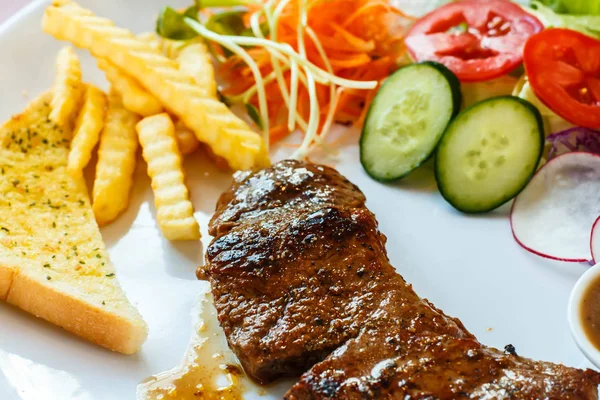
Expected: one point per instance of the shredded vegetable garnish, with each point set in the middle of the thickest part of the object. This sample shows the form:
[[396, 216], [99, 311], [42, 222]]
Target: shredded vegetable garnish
[[307, 63], [574, 139]]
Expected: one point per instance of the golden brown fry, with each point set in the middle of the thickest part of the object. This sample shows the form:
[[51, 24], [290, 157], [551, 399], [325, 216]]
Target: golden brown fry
[[186, 140], [174, 210], [152, 39], [88, 126], [116, 161], [68, 87], [194, 60], [135, 97], [211, 120]]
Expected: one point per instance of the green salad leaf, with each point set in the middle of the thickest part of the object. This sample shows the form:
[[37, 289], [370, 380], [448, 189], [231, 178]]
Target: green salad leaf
[[254, 114], [230, 22], [171, 24], [574, 7], [587, 24], [223, 3]]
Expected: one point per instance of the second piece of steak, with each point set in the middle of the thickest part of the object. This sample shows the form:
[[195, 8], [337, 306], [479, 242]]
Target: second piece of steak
[[299, 274]]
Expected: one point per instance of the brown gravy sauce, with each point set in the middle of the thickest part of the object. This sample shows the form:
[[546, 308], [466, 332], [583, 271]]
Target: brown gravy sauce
[[589, 312], [209, 369]]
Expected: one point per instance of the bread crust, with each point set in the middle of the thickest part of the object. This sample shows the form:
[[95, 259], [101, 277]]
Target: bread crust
[[118, 327], [93, 323]]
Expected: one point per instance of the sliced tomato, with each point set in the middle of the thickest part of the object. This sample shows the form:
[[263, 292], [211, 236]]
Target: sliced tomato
[[478, 40], [563, 68]]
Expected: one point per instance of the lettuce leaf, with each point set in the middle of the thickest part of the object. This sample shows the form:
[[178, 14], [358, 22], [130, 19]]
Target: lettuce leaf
[[171, 24], [552, 121], [574, 7], [586, 24]]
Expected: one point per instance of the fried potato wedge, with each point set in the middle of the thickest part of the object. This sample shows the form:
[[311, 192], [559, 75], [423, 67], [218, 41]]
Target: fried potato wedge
[[135, 97], [212, 122], [88, 125], [68, 87], [116, 161], [174, 210]]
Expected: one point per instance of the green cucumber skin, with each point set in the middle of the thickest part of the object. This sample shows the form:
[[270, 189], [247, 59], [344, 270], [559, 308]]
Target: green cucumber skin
[[437, 168], [455, 87]]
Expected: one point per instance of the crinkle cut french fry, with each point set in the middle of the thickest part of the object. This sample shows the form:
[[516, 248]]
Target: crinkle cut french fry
[[68, 87], [152, 39], [174, 210], [88, 126], [186, 140], [194, 60], [135, 97], [212, 122], [171, 48], [116, 161]]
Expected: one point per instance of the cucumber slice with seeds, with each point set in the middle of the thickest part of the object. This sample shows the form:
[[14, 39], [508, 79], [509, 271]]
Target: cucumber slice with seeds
[[488, 153], [407, 119]]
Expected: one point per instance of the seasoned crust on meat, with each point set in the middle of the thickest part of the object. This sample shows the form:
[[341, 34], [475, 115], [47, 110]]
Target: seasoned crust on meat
[[301, 279]]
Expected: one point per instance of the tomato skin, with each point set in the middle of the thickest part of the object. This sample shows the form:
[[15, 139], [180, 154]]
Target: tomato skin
[[563, 68], [490, 47]]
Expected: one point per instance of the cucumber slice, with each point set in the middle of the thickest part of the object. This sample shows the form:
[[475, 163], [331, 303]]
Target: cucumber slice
[[488, 153], [407, 119]]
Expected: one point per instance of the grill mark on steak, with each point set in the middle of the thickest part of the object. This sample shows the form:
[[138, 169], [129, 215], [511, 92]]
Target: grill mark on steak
[[301, 279]]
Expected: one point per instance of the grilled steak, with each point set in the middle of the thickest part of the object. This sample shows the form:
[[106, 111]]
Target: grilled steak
[[300, 278]]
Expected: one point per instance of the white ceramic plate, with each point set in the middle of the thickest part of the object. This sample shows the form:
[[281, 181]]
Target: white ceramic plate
[[469, 266]]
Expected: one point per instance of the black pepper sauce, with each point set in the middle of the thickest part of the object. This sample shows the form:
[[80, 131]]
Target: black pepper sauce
[[589, 312], [209, 370]]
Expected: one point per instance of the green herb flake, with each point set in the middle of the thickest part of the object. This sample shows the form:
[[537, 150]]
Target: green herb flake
[[48, 277], [46, 265], [5, 229], [109, 275]]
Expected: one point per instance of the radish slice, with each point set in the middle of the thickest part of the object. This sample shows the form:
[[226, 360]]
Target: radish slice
[[595, 241], [553, 215]]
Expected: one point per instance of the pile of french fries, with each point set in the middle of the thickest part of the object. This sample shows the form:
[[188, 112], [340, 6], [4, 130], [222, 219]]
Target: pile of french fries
[[163, 95]]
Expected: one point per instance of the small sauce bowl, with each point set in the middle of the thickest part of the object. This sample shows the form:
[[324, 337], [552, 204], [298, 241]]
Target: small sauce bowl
[[591, 278]]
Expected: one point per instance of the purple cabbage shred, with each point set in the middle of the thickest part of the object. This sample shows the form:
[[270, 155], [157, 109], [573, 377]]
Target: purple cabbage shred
[[574, 139]]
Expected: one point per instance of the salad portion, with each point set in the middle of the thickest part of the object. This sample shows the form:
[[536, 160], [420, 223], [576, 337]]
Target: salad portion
[[296, 64], [308, 64], [489, 153]]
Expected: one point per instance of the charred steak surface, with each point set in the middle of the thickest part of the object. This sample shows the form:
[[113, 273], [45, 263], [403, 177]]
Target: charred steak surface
[[301, 281]]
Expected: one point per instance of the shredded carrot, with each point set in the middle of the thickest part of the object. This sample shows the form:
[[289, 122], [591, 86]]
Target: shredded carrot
[[278, 132], [362, 40]]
